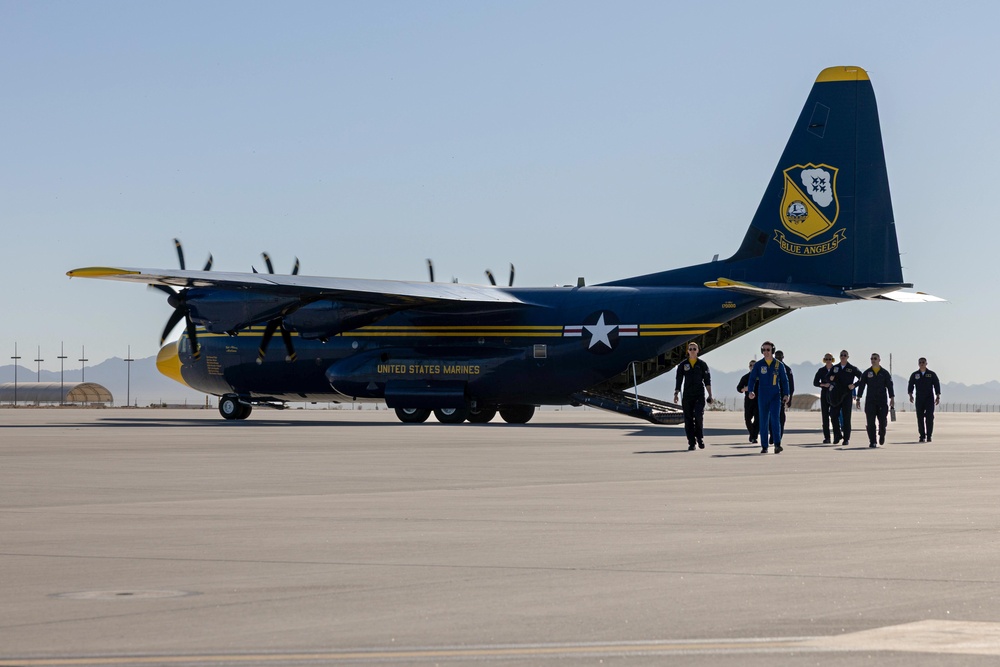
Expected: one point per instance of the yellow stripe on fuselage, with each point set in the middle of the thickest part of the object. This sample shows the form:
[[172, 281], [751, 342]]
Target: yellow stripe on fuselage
[[688, 329], [473, 331]]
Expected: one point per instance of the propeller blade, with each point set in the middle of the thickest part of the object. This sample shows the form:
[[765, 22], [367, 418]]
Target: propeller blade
[[430, 269], [192, 336], [166, 289], [267, 260], [275, 325], [266, 338], [208, 264], [287, 337], [180, 253], [175, 317], [295, 269], [510, 283], [489, 274]]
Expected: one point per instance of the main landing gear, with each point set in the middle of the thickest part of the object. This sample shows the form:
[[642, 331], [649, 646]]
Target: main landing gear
[[230, 407], [512, 414]]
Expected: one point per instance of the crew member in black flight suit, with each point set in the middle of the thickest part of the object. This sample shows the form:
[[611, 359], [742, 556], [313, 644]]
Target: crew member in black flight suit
[[928, 395], [693, 372], [780, 356], [842, 379], [822, 380], [750, 415], [878, 381]]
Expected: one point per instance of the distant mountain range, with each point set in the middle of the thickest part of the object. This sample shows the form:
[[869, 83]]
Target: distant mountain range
[[143, 385], [147, 385]]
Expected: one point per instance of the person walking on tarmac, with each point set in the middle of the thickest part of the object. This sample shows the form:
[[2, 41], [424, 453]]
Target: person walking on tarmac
[[822, 380], [928, 395], [695, 375], [769, 385], [750, 416], [780, 356], [842, 379], [878, 381]]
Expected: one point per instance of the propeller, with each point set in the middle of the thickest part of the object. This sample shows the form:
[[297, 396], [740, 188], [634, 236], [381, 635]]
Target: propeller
[[430, 270], [178, 301], [493, 281], [180, 257], [270, 266], [278, 323]]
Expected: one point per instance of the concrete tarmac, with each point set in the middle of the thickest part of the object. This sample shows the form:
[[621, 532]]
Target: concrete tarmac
[[173, 537]]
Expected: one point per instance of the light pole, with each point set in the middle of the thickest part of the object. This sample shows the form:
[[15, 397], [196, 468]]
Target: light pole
[[62, 360], [38, 371], [128, 377], [15, 358], [83, 363]]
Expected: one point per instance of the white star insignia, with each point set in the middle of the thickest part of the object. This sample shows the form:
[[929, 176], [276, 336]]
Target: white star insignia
[[599, 332]]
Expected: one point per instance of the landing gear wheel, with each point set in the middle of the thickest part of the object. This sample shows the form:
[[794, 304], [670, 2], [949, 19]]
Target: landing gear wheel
[[412, 415], [517, 414], [482, 415], [245, 411], [231, 408], [451, 415]]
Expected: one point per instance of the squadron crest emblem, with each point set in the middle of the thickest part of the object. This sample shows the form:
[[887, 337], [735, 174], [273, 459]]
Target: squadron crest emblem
[[809, 208]]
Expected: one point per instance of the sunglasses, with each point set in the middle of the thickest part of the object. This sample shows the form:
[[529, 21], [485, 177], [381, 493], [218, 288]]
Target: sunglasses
[[843, 356], [692, 348], [765, 349]]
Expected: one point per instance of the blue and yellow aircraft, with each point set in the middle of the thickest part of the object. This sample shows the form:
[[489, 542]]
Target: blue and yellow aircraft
[[823, 234]]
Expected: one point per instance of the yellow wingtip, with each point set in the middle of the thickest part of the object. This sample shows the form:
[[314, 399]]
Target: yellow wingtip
[[99, 272]]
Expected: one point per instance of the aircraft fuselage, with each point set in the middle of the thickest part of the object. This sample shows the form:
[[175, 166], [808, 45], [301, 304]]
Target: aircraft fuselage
[[568, 340]]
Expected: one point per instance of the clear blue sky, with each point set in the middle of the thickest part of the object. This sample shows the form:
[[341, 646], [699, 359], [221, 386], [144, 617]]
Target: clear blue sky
[[571, 138]]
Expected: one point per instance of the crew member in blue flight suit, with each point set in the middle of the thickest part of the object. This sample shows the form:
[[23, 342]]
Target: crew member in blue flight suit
[[928, 387], [822, 380], [771, 390], [878, 381], [694, 373]]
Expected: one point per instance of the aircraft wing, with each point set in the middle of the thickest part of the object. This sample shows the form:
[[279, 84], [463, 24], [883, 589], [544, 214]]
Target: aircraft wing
[[782, 295], [353, 290]]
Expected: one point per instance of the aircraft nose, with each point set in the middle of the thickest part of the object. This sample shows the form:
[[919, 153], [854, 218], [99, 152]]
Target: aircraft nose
[[168, 362]]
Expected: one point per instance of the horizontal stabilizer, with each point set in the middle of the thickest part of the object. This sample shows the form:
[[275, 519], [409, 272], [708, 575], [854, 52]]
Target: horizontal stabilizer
[[904, 296], [784, 295], [790, 295]]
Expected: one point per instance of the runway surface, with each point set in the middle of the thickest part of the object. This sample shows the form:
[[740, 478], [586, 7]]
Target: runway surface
[[146, 537]]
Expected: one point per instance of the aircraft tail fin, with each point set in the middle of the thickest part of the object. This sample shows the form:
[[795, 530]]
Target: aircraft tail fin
[[826, 214]]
